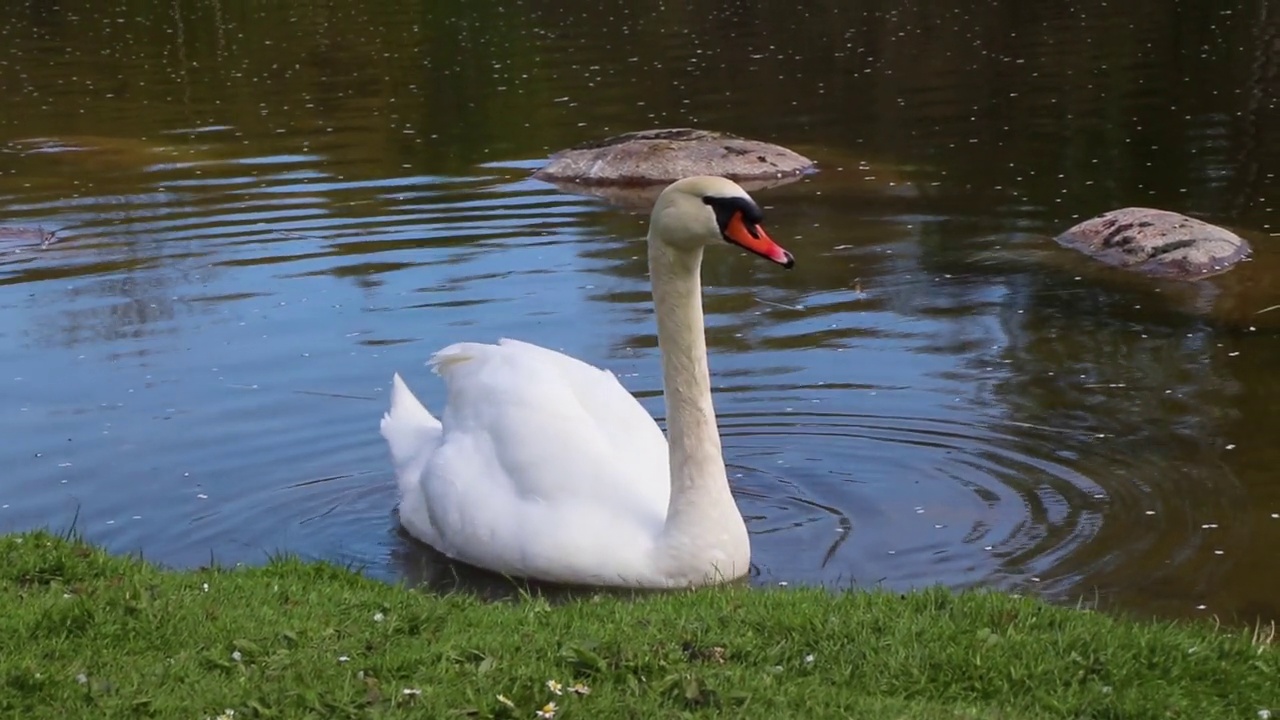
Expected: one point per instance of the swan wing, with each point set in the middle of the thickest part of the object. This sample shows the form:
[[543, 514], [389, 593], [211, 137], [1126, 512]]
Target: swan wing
[[559, 427], [546, 466]]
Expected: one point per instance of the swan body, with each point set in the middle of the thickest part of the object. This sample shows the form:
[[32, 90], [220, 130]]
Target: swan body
[[542, 466]]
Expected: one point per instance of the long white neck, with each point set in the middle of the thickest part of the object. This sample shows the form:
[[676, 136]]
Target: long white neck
[[704, 532]]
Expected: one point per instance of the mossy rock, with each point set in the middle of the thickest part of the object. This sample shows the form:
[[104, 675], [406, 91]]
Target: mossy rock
[[650, 157], [1157, 243]]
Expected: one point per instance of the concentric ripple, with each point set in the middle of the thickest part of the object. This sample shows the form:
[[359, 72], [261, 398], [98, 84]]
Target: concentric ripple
[[899, 501]]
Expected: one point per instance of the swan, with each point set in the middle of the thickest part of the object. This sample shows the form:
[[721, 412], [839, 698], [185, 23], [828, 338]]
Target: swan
[[544, 467]]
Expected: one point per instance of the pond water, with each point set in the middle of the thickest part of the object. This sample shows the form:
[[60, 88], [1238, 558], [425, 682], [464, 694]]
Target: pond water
[[264, 210]]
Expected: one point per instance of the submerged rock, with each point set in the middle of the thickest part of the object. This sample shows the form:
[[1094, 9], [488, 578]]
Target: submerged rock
[[17, 242], [25, 238], [1157, 243], [663, 156]]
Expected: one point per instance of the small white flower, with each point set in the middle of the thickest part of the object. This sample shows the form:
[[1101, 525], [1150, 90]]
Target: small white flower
[[580, 689], [413, 692], [204, 587], [235, 655], [343, 658], [227, 714], [379, 617], [82, 679], [547, 712], [808, 659], [555, 687], [1264, 714]]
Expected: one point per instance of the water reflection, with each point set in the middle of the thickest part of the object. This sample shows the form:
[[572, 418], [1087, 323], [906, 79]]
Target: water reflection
[[263, 211]]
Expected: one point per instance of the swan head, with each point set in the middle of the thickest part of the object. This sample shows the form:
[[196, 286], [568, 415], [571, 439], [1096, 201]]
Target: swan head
[[695, 212]]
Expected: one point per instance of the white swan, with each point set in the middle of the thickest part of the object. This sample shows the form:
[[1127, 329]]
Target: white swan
[[545, 467]]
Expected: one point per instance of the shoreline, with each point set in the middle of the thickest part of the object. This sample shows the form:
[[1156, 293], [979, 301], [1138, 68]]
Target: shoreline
[[108, 636]]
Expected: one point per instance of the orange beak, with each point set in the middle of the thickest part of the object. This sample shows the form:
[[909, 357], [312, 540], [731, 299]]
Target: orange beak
[[756, 240]]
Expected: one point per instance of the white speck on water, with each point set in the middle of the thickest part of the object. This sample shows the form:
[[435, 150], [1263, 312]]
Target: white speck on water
[[202, 496], [1219, 552], [64, 464], [1208, 526], [1151, 512], [1201, 607], [782, 583]]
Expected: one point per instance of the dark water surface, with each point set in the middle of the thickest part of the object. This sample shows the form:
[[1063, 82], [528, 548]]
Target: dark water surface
[[264, 209]]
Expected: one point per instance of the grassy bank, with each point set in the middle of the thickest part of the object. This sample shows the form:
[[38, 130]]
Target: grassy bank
[[90, 635]]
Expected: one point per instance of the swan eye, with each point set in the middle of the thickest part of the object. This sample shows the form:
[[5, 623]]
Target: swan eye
[[726, 208]]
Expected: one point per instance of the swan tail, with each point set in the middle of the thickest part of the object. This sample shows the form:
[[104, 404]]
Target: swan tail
[[411, 432]]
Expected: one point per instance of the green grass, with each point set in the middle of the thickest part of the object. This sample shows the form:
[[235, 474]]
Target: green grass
[[89, 635]]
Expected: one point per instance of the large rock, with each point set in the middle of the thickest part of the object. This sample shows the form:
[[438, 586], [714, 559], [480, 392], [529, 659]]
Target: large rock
[[1158, 243], [663, 156]]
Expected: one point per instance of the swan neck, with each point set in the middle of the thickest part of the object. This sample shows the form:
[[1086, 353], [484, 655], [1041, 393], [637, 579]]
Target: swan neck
[[701, 507], [694, 439]]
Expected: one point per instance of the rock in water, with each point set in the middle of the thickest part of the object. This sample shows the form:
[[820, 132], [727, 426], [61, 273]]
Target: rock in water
[[664, 156], [1158, 243], [25, 238]]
